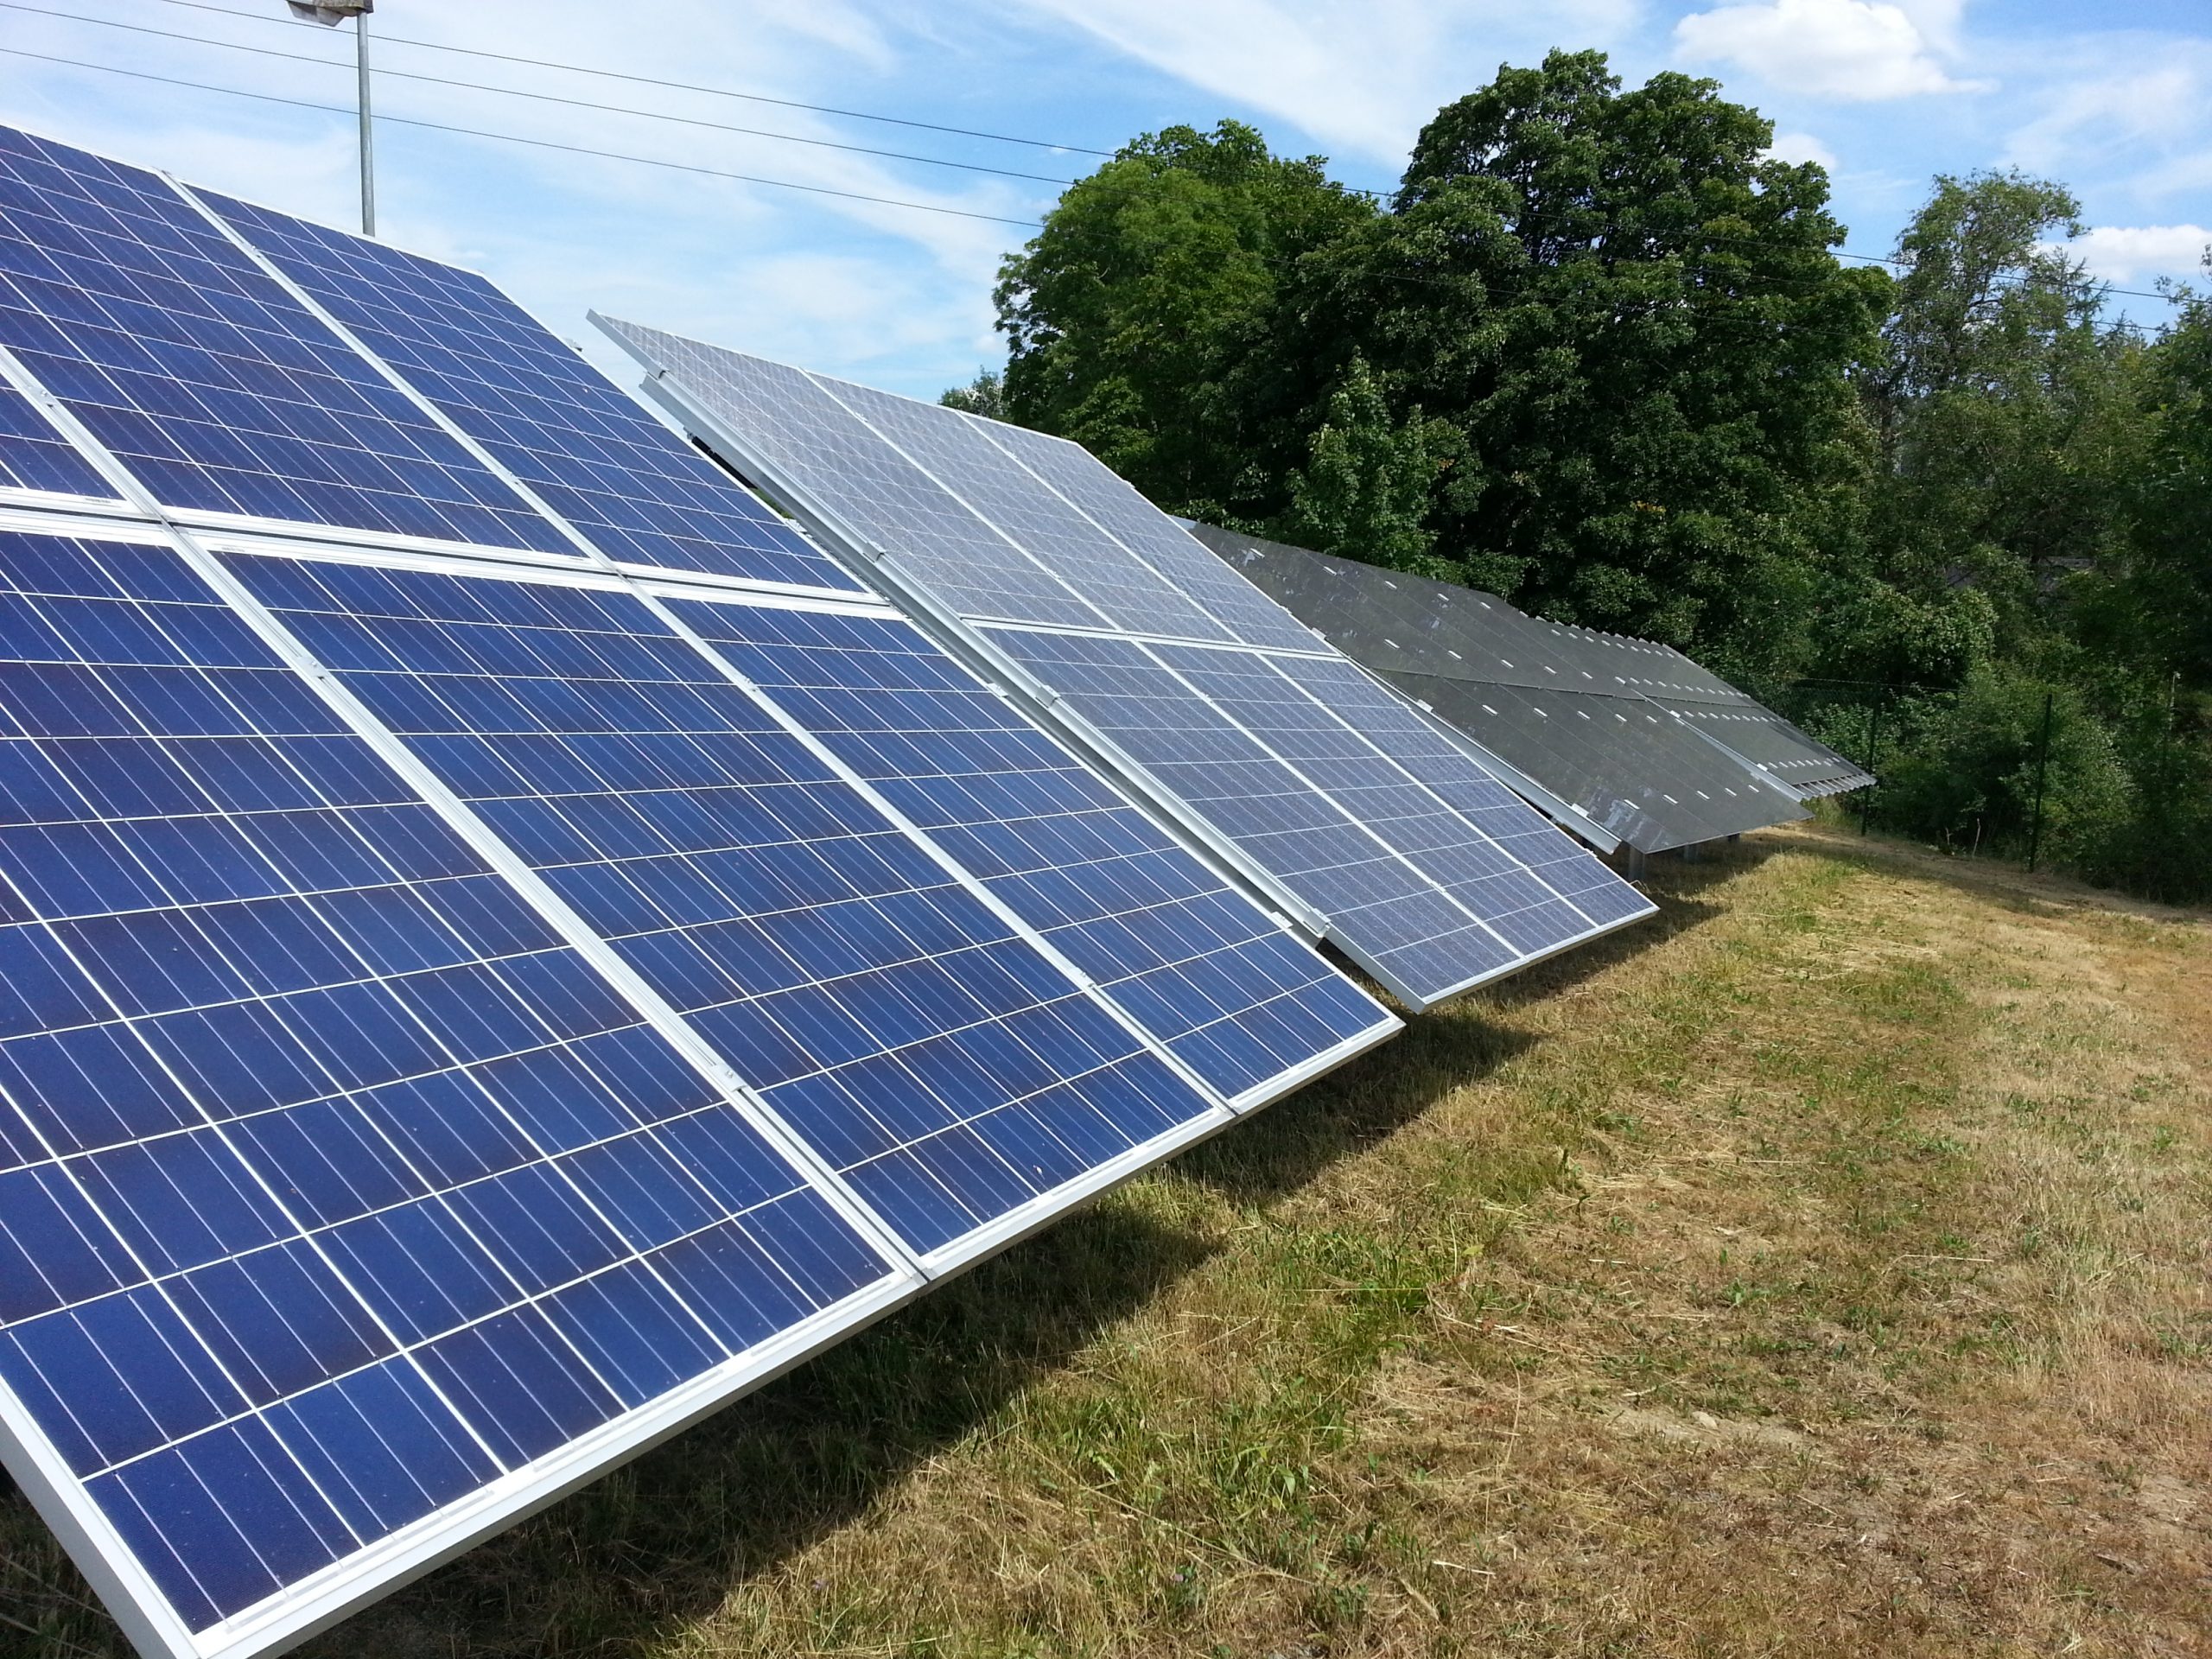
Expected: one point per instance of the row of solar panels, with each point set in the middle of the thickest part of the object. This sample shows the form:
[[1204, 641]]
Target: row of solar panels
[[505, 943], [1624, 740]]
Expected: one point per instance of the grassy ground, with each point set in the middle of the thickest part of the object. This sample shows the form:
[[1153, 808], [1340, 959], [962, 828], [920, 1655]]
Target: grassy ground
[[1819, 1269]]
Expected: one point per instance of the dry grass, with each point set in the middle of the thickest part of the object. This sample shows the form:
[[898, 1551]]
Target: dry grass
[[1821, 1269]]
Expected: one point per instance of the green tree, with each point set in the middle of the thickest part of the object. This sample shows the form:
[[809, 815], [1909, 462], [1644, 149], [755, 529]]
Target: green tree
[[2010, 420], [1142, 320], [2166, 612], [1365, 494], [985, 395], [1626, 321]]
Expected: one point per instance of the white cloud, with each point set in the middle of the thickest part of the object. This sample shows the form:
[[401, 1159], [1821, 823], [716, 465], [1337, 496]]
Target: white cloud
[[1801, 147], [2131, 113], [2135, 253], [1853, 50]]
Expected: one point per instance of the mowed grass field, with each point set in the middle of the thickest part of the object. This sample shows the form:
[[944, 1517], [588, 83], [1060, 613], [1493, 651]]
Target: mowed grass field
[[1823, 1267]]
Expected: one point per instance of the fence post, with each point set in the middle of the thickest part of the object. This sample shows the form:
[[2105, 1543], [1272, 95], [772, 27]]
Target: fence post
[[2042, 765], [1873, 738]]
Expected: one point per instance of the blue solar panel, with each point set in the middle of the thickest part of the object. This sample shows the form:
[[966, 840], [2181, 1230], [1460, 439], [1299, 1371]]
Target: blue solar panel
[[937, 1060], [639, 492], [34, 456], [1238, 1000], [1414, 933], [334, 1188], [218, 390], [1588, 894]]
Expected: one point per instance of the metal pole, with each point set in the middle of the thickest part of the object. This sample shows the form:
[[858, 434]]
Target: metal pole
[[2042, 764], [368, 138]]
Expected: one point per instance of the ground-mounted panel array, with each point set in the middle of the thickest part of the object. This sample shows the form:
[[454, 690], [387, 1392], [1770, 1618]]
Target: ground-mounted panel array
[[1579, 718], [504, 945], [1287, 763]]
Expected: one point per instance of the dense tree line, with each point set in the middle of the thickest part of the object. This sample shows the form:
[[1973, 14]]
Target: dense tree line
[[1597, 354]]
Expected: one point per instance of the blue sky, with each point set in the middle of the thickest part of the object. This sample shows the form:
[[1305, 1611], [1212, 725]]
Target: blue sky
[[2114, 99]]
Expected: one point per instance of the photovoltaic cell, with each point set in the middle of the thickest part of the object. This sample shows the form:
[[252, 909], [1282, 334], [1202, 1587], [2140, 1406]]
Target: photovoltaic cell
[[1236, 998], [639, 492], [334, 1188], [218, 390], [35, 456], [938, 1061]]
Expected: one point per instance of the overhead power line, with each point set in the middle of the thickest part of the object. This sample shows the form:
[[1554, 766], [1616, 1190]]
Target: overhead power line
[[541, 97], [536, 143], [1891, 262], [673, 85]]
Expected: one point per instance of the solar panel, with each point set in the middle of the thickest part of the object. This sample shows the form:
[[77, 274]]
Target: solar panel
[[220, 390], [947, 1071], [1115, 505], [468, 1009], [950, 512], [1232, 995], [1771, 746], [1402, 925], [335, 1188], [640, 493], [1570, 710], [959, 455]]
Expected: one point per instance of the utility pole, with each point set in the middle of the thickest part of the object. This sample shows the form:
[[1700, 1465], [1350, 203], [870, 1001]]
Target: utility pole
[[333, 12]]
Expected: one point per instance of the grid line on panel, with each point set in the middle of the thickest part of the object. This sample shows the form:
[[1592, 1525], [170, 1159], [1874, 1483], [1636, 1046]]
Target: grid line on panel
[[1227, 991], [36, 457], [580, 446], [908, 1035], [231, 1159], [211, 384]]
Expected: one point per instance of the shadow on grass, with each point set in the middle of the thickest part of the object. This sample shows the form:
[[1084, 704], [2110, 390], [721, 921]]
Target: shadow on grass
[[627, 1563], [1461, 1042]]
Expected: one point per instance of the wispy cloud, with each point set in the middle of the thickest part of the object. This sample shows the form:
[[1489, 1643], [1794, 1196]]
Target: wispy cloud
[[1360, 76]]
